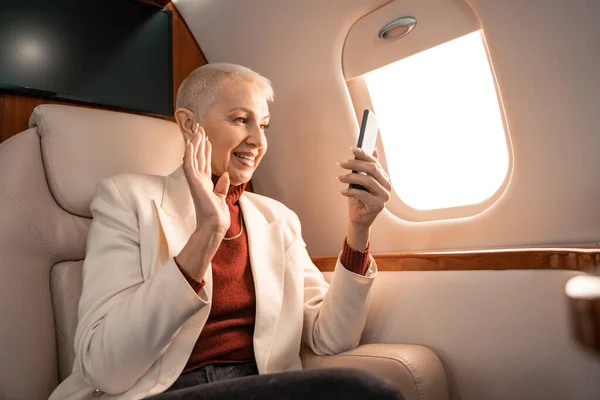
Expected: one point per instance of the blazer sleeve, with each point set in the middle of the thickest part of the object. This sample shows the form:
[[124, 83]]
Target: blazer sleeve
[[334, 315], [125, 323]]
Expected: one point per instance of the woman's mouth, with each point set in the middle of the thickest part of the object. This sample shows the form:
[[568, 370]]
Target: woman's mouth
[[246, 159]]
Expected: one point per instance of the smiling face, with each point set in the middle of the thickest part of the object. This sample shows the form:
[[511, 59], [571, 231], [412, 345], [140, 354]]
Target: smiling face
[[235, 124]]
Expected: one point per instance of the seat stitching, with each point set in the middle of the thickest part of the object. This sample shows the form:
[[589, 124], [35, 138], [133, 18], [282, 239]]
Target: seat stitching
[[63, 285], [66, 353], [64, 337], [400, 360], [28, 218], [61, 355], [61, 335]]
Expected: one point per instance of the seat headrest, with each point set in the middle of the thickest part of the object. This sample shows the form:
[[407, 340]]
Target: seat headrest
[[81, 146]]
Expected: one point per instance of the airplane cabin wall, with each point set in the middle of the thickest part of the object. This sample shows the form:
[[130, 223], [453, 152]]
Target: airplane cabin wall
[[298, 45], [546, 75]]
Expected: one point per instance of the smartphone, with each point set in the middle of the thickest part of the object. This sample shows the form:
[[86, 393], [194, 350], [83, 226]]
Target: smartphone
[[366, 139]]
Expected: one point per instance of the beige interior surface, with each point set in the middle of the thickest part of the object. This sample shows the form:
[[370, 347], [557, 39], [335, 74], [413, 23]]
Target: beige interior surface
[[546, 59], [40, 234], [500, 334], [80, 136], [65, 286], [415, 370], [364, 51]]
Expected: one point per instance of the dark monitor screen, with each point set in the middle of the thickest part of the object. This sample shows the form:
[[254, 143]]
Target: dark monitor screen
[[108, 52]]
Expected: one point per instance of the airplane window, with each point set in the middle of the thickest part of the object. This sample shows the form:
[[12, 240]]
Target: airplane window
[[441, 125]]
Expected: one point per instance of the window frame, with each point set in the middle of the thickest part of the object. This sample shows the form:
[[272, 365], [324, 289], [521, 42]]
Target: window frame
[[361, 99]]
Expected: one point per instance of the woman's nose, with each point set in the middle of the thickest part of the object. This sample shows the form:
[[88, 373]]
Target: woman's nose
[[257, 136]]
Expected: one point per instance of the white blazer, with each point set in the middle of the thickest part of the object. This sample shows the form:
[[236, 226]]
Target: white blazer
[[139, 319]]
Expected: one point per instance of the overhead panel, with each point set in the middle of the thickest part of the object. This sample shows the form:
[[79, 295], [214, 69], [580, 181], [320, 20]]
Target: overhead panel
[[437, 22]]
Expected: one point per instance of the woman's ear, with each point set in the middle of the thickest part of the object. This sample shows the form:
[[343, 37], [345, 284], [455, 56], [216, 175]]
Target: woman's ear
[[187, 122]]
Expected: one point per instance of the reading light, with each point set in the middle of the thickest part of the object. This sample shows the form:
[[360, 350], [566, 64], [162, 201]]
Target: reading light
[[397, 28]]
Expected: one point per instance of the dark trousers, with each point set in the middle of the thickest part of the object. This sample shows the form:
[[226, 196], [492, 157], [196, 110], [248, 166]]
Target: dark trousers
[[242, 382]]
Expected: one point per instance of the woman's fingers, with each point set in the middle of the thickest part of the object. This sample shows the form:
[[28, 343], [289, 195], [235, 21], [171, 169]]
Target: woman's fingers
[[374, 179], [201, 151], [370, 168], [360, 154], [222, 186], [194, 156], [188, 166], [370, 183], [357, 194], [208, 158], [372, 202]]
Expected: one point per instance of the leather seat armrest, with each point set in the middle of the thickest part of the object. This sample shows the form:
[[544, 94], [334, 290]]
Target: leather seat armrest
[[415, 370]]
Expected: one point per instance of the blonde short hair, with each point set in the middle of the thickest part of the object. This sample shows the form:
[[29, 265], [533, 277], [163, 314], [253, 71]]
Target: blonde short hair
[[200, 88]]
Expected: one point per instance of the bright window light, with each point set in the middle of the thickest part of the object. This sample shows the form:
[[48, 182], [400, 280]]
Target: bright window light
[[441, 125]]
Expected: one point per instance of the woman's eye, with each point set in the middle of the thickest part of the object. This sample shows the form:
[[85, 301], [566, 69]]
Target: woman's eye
[[242, 120], [265, 127]]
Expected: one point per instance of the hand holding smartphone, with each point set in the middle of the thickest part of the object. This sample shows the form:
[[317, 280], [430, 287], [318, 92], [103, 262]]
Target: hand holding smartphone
[[367, 138]]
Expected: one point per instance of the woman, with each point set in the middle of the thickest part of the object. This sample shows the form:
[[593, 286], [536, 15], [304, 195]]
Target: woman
[[192, 288]]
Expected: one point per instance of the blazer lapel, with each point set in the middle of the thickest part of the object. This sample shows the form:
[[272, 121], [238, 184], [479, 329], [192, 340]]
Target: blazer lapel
[[267, 253]]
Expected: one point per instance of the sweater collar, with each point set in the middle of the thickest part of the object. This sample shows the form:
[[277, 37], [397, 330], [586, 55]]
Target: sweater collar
[[234, 193]]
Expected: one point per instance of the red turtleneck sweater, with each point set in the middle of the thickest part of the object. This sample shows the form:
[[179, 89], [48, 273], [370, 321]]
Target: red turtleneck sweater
[[227, 335]]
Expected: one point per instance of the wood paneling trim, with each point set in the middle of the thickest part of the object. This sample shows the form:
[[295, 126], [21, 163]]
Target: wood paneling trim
[[187, 55], [160, 3], [15, 110], [580, 258], [2, 119]]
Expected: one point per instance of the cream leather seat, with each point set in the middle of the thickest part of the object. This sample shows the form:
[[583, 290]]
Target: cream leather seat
[[48, 175]]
